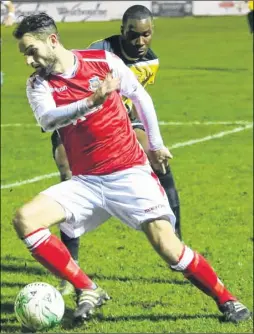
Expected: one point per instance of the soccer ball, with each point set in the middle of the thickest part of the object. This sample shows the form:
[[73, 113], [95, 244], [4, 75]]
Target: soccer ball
[[39, 306]]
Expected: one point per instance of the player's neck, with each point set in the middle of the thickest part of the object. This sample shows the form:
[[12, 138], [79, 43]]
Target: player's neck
[[65, 61]]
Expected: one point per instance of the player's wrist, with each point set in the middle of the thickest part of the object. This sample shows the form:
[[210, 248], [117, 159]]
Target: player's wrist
[[89, 102], [156, 146], [96, 99]]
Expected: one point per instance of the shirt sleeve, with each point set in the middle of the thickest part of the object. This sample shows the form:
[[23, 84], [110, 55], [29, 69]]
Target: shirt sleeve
[[39, 97], [48, 115], [131, 88]]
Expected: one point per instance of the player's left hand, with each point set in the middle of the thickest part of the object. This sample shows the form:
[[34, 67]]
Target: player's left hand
[[159, 159]]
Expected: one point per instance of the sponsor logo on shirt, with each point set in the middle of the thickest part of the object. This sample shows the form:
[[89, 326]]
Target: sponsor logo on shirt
[[58, 89]]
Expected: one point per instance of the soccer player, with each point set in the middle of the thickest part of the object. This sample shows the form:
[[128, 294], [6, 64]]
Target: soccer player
[[133, 47], [79, 94], [10, 17]]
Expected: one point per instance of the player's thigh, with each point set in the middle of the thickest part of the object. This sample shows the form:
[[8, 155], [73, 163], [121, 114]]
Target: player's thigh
[[41, 212], [82, 202], [136, 196]]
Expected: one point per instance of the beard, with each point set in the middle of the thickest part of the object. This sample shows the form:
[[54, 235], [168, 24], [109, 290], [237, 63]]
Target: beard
[[46, 70]]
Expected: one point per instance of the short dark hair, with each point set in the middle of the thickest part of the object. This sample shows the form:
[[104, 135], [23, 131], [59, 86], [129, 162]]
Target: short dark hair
[[40, 25], [137, 12]]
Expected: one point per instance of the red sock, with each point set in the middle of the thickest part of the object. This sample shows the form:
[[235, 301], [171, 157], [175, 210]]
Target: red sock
[[52, 254], [199, 272]]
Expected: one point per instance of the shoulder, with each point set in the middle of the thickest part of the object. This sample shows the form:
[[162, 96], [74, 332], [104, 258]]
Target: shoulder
[[35, 80], [108, 44], [91, 54], [150, 55], [37, 85]]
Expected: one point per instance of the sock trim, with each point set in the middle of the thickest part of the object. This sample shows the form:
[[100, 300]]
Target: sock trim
[[36, 238], [185, 259]]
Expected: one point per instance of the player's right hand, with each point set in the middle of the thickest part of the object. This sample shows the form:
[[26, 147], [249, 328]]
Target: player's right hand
[[109, 85], [159, 159], [9, 21]]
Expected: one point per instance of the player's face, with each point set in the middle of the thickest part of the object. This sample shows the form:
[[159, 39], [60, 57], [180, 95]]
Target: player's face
[[137, 36], [39, 53]]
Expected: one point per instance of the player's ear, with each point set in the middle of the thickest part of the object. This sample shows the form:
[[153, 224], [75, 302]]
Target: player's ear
[[53, 40]]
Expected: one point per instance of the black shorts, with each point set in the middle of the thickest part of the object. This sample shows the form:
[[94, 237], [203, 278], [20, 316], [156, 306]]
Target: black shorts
[[55, 141], [136, 123]]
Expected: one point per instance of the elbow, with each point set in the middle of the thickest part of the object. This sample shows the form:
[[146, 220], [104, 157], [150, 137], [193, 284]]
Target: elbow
[[47, 124], [141, 95]]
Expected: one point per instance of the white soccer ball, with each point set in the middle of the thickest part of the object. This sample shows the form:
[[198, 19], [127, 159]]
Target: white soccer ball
[[39, 306]]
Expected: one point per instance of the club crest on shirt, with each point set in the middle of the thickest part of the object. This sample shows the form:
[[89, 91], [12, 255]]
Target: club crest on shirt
[[94, 83]]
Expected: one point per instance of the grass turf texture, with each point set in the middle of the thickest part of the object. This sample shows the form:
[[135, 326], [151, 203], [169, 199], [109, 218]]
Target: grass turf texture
[[205, 75]]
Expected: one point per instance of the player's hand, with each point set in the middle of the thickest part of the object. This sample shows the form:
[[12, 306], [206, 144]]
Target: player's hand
[[9, 21], [159, 159], [109, 85]]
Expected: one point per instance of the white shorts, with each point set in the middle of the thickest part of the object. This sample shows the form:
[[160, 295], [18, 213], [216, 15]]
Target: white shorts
[[134, 195]]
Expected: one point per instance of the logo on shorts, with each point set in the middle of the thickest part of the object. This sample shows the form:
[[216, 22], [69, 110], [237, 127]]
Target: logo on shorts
[[94, 83], [159, 206]]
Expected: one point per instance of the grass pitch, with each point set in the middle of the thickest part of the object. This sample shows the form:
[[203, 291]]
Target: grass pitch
[[206, 76]]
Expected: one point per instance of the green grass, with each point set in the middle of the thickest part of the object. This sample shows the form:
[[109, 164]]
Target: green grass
[[206, 75]]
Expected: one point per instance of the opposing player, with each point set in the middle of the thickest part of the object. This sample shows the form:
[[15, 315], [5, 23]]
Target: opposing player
[[133, 47], [79, 94]]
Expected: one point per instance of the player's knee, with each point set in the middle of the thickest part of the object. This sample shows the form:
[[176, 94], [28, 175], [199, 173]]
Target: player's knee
[[163, 239], [20, 222]]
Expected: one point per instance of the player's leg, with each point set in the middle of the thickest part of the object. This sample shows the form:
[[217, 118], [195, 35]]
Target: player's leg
[[166, 180], [147, 208], [72, 244], [60, 157], [74, 204], [62, 164], [194, 267], [32, 223], [250, 18]]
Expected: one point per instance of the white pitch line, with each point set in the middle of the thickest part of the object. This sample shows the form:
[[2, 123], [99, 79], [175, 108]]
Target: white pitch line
[[18, 125], [216, 135], [241, 122], [35, 179], [177, 145], [207, 123]]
